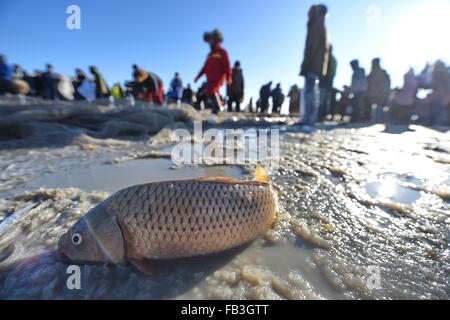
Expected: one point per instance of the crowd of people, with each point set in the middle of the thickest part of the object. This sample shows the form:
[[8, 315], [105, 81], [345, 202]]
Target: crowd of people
[[145, 85], [265, 94], [368, 97]]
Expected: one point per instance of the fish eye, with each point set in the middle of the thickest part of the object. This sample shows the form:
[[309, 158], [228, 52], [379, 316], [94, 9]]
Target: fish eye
[[77, 239]]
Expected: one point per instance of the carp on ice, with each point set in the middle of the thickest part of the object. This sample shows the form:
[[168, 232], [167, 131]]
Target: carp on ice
[[174, 219]]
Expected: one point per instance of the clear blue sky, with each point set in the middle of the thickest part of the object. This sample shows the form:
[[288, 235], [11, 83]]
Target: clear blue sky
[[267, 36]]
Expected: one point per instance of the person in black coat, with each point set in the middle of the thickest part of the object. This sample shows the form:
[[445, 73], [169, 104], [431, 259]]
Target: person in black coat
[[277, 98], [235, 92], [264, 95], [188, 95]]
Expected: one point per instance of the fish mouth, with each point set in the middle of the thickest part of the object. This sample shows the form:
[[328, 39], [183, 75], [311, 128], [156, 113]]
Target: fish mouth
[[62, 254]]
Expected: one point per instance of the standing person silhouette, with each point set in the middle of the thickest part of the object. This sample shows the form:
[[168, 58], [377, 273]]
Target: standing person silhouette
[[378, 90], [264, 96], [315, 61], [326, 88], [217, 70], [235, 92], [176, 89], [358, 89], [277, 98]]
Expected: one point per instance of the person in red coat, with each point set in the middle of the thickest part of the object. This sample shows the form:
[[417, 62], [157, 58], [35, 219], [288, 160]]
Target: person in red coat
[[217, 70]]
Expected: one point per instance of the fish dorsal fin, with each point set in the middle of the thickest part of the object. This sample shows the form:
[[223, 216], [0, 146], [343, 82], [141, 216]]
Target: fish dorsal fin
[[218, 180], [261, 175]]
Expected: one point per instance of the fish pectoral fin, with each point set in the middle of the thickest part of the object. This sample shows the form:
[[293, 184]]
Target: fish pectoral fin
[[144, 266]]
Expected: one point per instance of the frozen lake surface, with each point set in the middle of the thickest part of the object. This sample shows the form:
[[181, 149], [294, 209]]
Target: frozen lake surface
[[364, 214]]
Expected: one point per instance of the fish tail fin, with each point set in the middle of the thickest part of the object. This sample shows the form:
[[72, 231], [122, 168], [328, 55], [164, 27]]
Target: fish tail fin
[[261, 174]]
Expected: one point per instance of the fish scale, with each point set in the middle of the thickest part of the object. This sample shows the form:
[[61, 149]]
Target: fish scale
[[188, 218]]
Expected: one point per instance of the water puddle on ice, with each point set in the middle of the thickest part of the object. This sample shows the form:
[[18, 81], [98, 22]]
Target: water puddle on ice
[[390, 189], [111, 178], [297, 259]]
